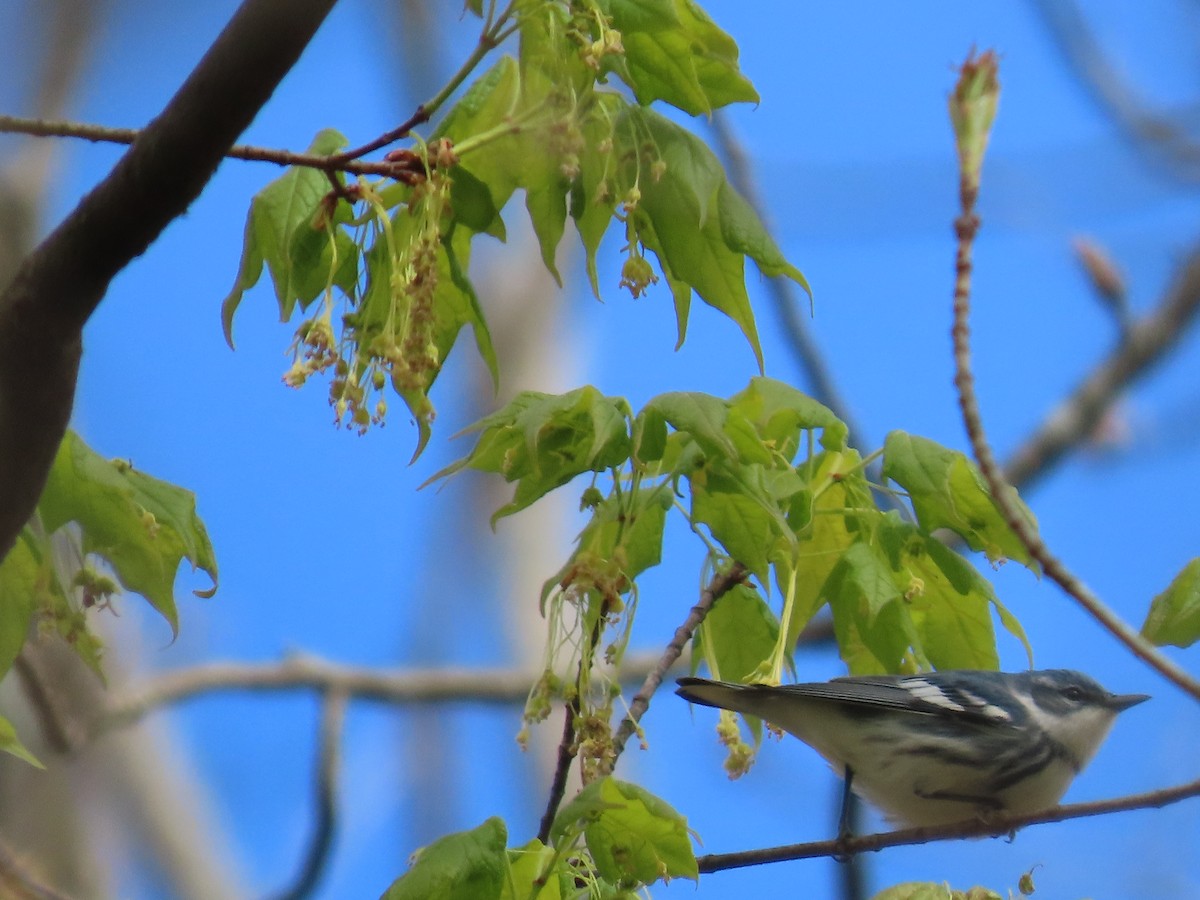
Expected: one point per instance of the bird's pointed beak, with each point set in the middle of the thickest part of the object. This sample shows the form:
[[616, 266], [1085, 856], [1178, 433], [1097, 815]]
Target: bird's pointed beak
[[1122, 702]]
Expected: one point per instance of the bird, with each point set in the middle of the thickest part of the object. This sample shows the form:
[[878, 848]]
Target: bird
[[940, 747]]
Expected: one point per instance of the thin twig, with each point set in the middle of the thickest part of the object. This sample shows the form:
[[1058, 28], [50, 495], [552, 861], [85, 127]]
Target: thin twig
[[18, 883], [38, 693], [720, 584], [106, 135], [1147, 342], [995, 827], [966, 226], [568, 746], [346, 161], [421, 686], [562, 768], [400, 131], [329, 756], [493, 34]]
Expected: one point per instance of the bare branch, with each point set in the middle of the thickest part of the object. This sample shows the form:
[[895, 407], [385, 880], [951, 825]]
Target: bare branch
[[102, 134], [1000, 826], [568, 745], [60, 284], [562, 767], [720, 584], [1147, 342], [38, 692], [18, 883], [1150, 131], [425, 686], [966, 226], [329, 756]]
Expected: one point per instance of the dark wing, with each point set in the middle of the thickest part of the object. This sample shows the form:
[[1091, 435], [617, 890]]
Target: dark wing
[[949, 693], [936, 694]]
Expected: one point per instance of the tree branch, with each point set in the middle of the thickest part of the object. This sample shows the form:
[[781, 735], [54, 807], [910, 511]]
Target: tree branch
[[999, 826], [19, 884], [966, 226], [60, 284], [720, 584], [39, 694], [423, 686], [1146, 342], [329, 760], [394, 686], [340, 162], [1148, 130], [562, 768]]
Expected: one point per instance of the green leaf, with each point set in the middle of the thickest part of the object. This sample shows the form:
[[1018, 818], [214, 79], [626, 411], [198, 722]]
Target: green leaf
[[738, 509], [542, 441], [1174, 615], [534, 866], [25, 580], [781, 414], [948, 601], [947, 491], [321, 255], [874, 627], [675, 53], [505, 101], [630, 833], [143, 527], [486, 105], [35, 579], [737, 635], [594, 191], [467, 865], [692, 219], [624, 533], [832, 522], [719, 431], [10, 743], [649, 436], [473, 205], [282, 210], [461, 306]]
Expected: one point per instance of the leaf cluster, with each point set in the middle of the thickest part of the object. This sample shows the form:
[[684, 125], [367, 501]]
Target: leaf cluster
[[378, 270], [611, 838], [765, 478], [100, 526]]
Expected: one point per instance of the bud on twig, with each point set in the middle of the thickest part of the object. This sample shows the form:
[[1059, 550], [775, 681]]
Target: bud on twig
[[1106, 278], [972, 110]]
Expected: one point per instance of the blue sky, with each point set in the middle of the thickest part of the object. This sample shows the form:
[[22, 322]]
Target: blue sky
[[325, 544]]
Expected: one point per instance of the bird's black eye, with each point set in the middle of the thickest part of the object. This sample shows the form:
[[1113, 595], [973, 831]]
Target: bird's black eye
[[1073, 693]]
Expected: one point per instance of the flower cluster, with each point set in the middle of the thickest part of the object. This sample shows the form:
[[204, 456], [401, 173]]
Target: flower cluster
[[388, 332]]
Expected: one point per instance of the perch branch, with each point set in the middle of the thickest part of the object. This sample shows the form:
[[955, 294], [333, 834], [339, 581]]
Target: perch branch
[[1000, 826]]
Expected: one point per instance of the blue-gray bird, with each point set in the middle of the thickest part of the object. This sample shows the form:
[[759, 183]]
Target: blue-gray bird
[[940, 747]]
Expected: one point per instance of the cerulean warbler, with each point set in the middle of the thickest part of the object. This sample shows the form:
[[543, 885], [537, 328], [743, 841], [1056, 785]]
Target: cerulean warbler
[[940, 747]]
